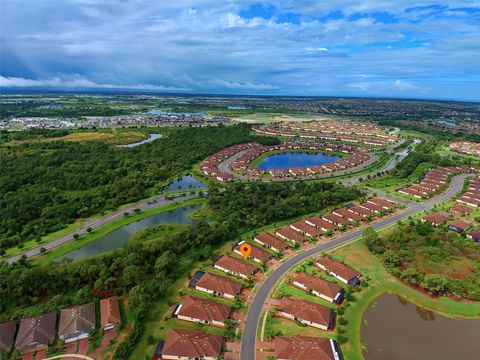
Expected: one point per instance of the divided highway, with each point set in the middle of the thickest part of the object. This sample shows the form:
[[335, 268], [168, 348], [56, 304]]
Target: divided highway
[[248, 345]]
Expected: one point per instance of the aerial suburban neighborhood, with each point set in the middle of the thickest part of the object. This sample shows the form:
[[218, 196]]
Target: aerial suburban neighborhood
[[239, 180]]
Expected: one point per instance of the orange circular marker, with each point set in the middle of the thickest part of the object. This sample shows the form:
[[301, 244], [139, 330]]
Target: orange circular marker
[[245, 249]]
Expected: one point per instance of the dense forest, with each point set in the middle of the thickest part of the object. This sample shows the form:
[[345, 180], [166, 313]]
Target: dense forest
[[426, 257], [46, 185], [146, 271]]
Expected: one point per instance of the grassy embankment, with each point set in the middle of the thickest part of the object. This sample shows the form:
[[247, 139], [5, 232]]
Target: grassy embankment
[[49, 256], [357, 255]]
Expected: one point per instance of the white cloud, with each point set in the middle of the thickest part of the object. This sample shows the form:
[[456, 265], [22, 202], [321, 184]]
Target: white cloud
[[77, 83]]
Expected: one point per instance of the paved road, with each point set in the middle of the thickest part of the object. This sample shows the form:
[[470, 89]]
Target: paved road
[[250, 330], [142, 205]]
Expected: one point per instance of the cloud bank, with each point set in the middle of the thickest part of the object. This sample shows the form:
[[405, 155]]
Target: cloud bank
[[346, 48]]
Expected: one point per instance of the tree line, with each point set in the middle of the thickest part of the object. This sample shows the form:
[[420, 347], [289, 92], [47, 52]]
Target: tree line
[[145, 271], [46, 185]]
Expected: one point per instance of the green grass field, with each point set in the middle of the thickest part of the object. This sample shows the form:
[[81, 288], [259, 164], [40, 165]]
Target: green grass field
[[357, 255]]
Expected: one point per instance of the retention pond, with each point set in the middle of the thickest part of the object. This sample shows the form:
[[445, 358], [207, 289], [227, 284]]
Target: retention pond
[[396, 330]]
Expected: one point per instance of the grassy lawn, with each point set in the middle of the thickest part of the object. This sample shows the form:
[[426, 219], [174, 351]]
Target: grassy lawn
[[51, 255], [357, 255], [31, 244]]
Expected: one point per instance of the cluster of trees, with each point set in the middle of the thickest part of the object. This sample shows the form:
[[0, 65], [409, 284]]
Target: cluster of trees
[[146, 270], [411, 249], [423, 153], [46, 185], [33, 133]]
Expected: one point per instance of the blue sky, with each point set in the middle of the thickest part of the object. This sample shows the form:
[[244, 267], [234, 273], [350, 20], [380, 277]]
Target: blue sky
[[423, 49]]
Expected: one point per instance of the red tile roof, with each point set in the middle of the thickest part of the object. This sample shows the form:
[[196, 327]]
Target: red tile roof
[[203, 309], [303, 348], [219, 284], [436, 219], [7, 334], [318, 284], [306, 310], [257, 253], [271, 240], [291, 234], [338, 268], [192, 344], [236, 265], [321, 223], [306, 228], [109, 311]]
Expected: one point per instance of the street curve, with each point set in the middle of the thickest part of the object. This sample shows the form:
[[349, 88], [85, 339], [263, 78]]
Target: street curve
[[248, 344]]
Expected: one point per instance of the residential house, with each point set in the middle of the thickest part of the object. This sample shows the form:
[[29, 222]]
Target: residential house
[[474, 235], [270, 242], [258, 255], [306, 348], [308, 230], [7, 335], [322, 288], [459, 226], [460, 210], [307, 313], [203, 311], [322, 224], [77, 322], [235, 267], [349, 215], [339, 270], [436, 219], [335, 219], [36, 332], [110, 313], [190, 344], [215, 285], [290, 235]]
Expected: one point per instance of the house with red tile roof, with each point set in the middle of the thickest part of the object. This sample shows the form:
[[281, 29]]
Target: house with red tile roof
[[459, 226], [204, 311], [215, 285], [386, 204], [307, 313], [365, 210], [7, 335], [373, 208], [258, 255], [474, 235], [460, 210], [77, 322], [436, 219], [322, 288], [36, 332], [190, 344], [346, 214], [270, 241], [110, 312], [306, 348], [291, 235], [335, 219], [339, 270], [320, 223], [234, 266], [303, 228]]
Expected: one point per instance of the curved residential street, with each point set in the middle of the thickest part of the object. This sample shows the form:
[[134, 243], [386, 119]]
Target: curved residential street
[[94, 224], [248, 345]]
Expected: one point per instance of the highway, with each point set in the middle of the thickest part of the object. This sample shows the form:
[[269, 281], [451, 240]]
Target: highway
[[248, 345], [94, 224]]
